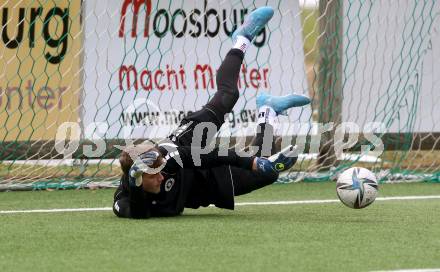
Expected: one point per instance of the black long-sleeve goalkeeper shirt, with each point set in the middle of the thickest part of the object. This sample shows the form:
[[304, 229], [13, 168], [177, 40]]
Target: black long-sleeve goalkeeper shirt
[[180, 179]]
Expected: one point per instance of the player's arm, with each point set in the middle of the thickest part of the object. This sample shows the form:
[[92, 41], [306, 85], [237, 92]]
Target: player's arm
[[136, 195]]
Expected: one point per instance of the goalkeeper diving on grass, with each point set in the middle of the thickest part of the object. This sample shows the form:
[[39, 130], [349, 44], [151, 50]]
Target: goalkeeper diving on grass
[[163, 179]]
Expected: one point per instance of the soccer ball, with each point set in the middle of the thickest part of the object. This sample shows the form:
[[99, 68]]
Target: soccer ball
[[357, 187]]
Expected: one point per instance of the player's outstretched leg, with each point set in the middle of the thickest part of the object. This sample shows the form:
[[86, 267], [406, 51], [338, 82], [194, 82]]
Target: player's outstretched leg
[[269, 106], [247, 181], [227, 76]]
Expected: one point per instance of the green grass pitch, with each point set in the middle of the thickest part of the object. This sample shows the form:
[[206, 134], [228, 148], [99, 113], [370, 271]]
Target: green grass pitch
[[305, 237]]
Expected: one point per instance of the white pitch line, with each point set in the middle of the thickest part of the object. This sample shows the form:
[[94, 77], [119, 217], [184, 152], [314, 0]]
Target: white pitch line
[[59, 210], [411, 270], [292, 202], [322, 201], [287, 202]]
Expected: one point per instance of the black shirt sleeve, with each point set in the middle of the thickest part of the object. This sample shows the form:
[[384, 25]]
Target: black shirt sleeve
[[138, 204]]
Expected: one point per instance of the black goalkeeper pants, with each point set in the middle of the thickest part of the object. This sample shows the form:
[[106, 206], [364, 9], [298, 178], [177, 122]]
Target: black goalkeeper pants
[[215, 111]]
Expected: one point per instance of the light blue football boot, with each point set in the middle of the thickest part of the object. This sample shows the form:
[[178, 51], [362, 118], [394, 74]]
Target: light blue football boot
[[281, 103], [253, 23]]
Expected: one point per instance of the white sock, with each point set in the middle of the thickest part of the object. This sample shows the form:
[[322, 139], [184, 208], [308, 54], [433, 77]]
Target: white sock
[[266, 115], [242, 43]]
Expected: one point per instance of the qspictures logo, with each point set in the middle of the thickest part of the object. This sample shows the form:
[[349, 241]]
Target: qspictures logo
[[198, 22], [18, 28]]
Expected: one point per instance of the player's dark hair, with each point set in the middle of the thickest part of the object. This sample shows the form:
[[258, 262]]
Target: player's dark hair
[[126, 161]]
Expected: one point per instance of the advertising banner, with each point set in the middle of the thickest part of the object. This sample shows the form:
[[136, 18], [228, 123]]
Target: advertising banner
[[149, 63], [39, 68]]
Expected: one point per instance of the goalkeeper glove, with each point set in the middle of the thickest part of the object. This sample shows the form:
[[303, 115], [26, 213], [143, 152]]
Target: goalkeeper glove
[[278, 162], [147, 162]]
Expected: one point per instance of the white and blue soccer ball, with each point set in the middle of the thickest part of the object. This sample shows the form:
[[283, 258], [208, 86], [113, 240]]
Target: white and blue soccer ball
[[357, 187]]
